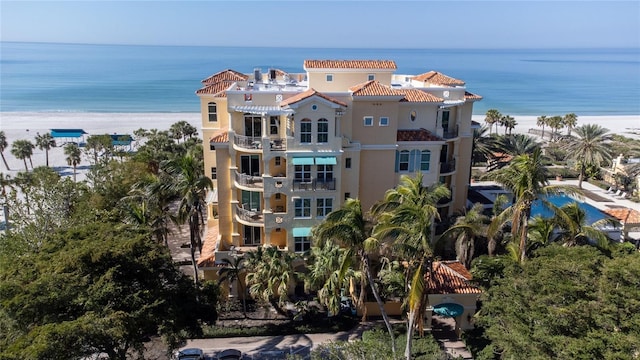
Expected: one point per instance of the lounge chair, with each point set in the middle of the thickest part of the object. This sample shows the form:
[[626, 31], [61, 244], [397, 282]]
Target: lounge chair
[[623, 195], [611, 189], [618, 193]]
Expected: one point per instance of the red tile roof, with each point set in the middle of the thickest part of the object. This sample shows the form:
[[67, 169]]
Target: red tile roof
[[415, 95], [208, 256], [215, 89], [437, 78], [225, 75], [373, 88], [350, 64], [449, 277], [471, 96], [625, 215], [221, 136], [307, 94], [416, 135]]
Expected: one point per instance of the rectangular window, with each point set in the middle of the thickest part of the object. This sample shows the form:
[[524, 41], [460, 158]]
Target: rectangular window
[[213, 112], [212, 147], [251, 235], [302, 208], [214, 173], [274, 125], [445, 120], [368, 121], [323, 131], [384, 121], [325, 172], [277, 160], [347, 163], [324, 207], [305, 132], [371, 77], [403, 161], [329, 77], [302, 173], [302, 243], [425, 160]]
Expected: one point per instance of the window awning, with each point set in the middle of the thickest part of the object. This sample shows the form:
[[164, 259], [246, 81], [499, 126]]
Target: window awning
[[301, 232], [302, 161], [328, 160]]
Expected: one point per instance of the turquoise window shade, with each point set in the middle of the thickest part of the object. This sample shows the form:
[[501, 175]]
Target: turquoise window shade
[[303, 161], [301, 232], [330, 160]]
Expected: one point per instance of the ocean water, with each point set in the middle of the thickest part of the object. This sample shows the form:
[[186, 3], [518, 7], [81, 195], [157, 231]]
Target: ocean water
[[122, 78]]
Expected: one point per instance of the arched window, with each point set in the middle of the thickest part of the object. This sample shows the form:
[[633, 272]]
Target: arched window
[[305, 131], [323, 130], [213, 112]]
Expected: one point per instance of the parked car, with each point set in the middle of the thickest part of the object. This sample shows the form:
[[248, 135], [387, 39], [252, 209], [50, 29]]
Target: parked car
[[190, 354], [230, 354]]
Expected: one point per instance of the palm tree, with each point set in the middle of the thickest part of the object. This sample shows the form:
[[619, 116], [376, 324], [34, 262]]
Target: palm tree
[[492, 117], [542, 121], [23, 150], [73, 156], [270, 272], [541, 232], [155, 193], [589, 147], [3, 145], [571, 220], [570, 121], [526, 178], [466, 229], [509, 123], [483, 145], [348, 227], [230, 273], [191, 184], [406, 215], [182, 130], [45, 142], [555, 123], [510, 146]]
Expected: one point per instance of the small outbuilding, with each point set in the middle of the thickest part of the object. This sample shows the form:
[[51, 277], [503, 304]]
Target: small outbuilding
[[69, 135]]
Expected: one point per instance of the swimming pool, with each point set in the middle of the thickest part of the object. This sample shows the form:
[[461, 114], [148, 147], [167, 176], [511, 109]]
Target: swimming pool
[[591, 212]]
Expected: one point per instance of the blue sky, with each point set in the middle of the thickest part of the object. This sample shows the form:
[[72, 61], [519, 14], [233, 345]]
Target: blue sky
[[302, 23]]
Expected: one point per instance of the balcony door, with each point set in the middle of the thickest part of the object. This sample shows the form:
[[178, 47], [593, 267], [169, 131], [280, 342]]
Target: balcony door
[[250, 165], [253, 126]]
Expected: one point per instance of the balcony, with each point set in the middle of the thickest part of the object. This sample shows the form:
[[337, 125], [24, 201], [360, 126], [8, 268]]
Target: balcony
[[247, 142], [250, 217], [314, 184], [248, 181], [447, 167], [450, 134], [278, 144]]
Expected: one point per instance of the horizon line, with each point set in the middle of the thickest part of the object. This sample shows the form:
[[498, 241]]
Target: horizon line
[[327, 47]]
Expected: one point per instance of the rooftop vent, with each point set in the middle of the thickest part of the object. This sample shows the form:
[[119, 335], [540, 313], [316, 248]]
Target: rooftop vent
[[257, 74]]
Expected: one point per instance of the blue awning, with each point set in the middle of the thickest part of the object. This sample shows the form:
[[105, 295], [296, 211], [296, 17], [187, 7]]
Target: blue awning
[[301, 232], [448, 309], [329, 160], [302, 161], [67, 133]]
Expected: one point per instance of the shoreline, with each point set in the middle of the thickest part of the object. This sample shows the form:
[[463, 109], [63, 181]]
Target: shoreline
[[26, 125]]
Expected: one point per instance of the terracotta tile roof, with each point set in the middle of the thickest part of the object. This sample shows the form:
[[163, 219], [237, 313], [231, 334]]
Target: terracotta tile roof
[[215, 89], [350, 64], [221, 136], [437, 78], [471, 96], [625, 215], [373, 88], [450, 278], [225, 75], [307, 94], [416, 135], [415, 95], [208, 256]]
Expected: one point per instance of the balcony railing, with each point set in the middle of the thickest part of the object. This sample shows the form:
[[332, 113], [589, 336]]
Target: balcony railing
[[247, 142], [249, 181], [447, 167], [314, 184], [450, 134], [250, 216], [278, 144]]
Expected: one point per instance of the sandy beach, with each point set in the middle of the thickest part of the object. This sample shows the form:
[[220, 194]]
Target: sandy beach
[[26, 125]]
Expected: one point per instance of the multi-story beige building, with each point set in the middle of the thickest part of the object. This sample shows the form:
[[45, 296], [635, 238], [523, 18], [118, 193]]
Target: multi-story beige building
[[286, 149]]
